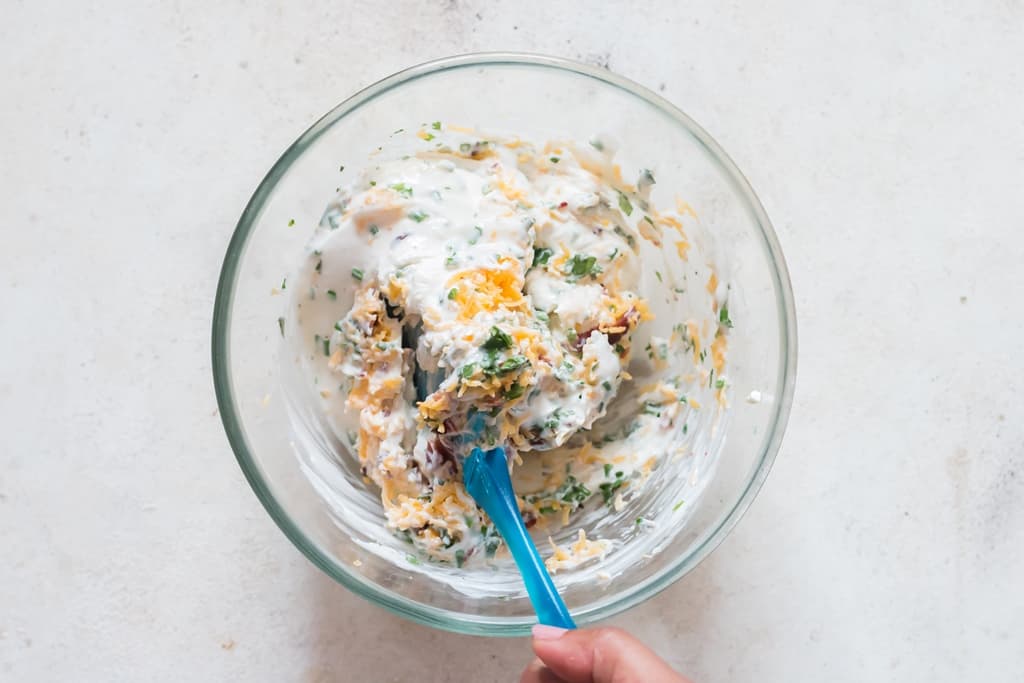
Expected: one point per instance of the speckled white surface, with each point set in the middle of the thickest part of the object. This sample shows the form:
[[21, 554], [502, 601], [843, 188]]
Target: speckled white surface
[[886, 140]]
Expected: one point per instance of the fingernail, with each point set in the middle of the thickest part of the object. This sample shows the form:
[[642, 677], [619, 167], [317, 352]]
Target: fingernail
[[543, 632]]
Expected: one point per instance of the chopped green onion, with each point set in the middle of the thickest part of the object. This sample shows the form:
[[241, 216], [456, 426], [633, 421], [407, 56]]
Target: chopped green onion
[[581, 266], [453, 293], [515, 390], [402, 189], [723, 316], [357, 273], [624, 204], [497, 341], [331, 294]]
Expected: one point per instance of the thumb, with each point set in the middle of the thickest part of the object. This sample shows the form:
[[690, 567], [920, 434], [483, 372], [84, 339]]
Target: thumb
[[600, 655]]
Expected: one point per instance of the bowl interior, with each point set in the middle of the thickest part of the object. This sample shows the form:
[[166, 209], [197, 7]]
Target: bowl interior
[[539, 98]]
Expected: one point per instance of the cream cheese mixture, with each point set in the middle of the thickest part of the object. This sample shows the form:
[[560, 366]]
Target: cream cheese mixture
[[516, 267]]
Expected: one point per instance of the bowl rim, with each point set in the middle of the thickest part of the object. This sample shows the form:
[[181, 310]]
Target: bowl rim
[[425, 613]]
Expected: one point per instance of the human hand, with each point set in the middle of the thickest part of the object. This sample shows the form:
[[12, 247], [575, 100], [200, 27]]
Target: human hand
[[594, 655]]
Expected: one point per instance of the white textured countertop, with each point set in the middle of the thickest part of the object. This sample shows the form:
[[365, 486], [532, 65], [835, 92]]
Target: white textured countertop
[[887, 145]]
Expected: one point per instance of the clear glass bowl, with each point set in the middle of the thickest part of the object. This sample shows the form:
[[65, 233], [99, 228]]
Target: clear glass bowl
[[534, 96]]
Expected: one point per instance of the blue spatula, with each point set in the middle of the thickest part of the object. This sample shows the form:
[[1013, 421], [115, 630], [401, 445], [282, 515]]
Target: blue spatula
[[485, 475]]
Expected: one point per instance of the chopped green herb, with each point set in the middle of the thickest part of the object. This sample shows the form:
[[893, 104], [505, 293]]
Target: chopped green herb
[[720, 384], [280, 325], [331, 294], [646, 178], [552, 423], [418, 216], [607, 385], [464, 147], [620, 349], [453, 293], [428, 136], [460, 557], [678, 505], [541, 256], [597, 144], [611, 257], [337, 326], [657, 274], [374, 229], [554, 160], [341, 169], [545, 510], [515, 390], [609, 488], [477, 234], [580, 266], [723, 316], [412, 559], [541, 315], [284, 284], [467, 370], [497, 341], [607, 468], [319, 266], [686, 428], [402, 189], [571, 335], [512, 364], [327, 346], [639, 521], [291, 222], [436, 125], [373, 183], [624, 204], [357, 273], [572, 491]]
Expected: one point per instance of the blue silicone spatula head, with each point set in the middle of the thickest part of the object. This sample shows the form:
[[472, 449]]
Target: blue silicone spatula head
[[485, 475]]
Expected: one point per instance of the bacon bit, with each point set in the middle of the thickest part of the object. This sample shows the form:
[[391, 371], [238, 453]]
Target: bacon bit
[[563, 205], [439, 454]]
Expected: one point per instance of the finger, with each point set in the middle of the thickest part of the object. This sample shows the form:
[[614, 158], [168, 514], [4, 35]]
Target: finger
[[600, 655], [536, 672]]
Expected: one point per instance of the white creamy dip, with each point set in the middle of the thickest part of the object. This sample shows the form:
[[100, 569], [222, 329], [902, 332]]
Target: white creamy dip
[[518, 266]]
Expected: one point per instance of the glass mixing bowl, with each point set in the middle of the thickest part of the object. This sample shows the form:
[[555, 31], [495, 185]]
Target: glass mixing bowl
[[291, 465]]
